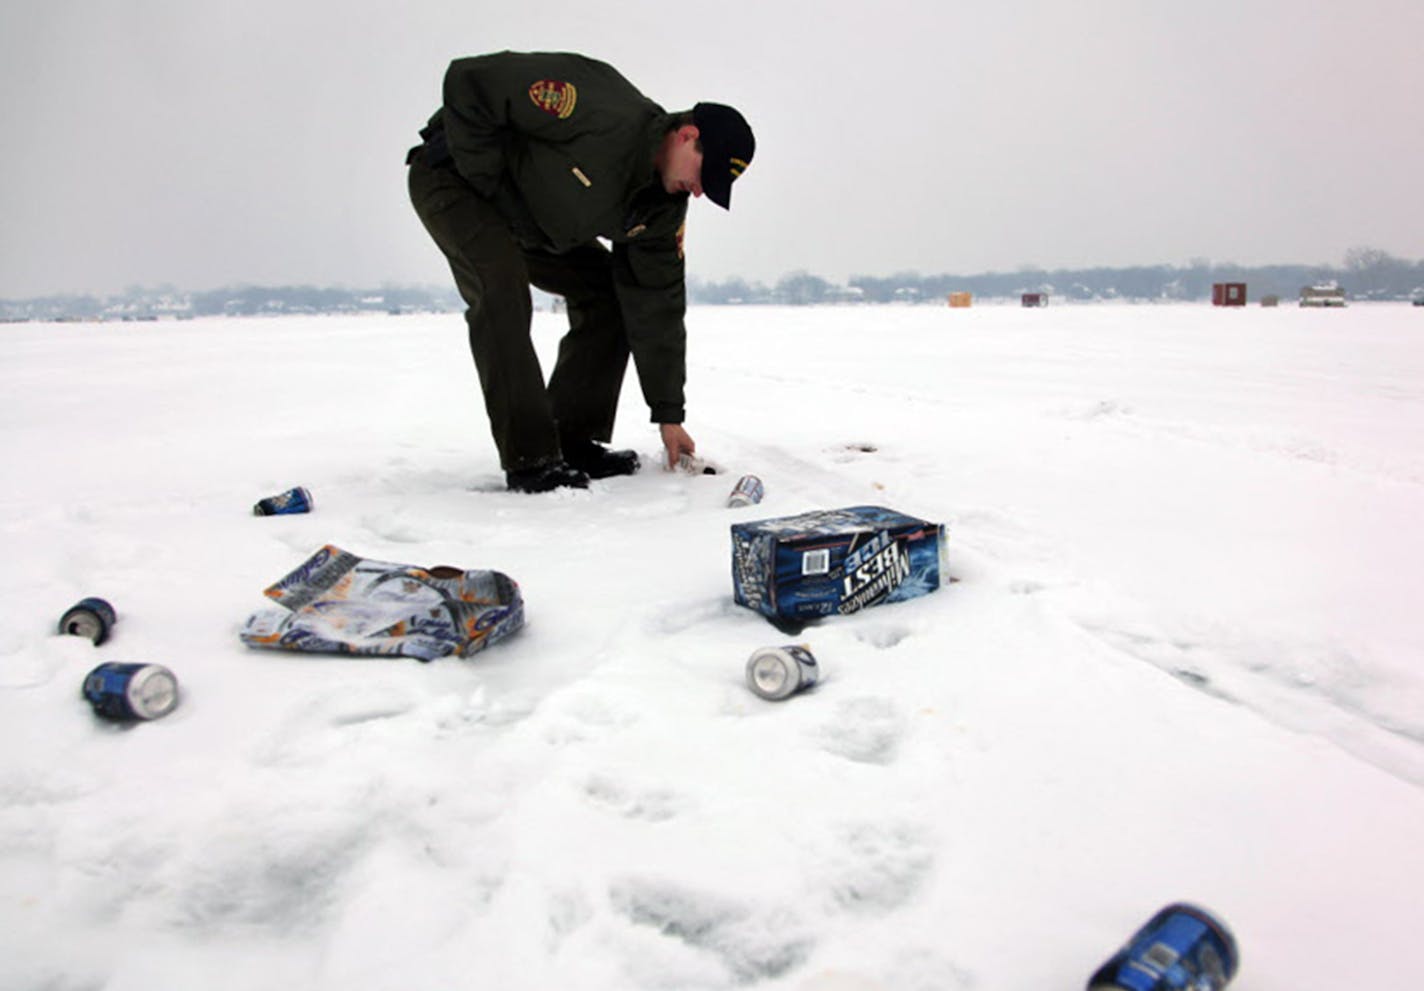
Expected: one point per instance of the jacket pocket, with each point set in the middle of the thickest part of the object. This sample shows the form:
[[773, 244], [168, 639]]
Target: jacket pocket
[[562, 195]]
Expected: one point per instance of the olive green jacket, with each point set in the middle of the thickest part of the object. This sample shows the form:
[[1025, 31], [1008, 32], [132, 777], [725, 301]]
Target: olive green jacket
[[563, 145]]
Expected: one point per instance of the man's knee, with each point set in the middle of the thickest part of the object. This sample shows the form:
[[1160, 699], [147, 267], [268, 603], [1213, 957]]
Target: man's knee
[[597, 311], [583, 276], [489, 269]]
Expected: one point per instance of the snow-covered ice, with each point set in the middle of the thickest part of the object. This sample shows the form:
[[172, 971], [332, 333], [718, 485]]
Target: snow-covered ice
[[1181, 659]]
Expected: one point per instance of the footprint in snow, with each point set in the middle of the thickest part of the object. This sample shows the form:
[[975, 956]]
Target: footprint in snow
[[653, 804], [324, 724], [280, 871], [396, 531], [867, 730], [883, 635], [753, 943], [876, 866], [584, 717], [677, 617]]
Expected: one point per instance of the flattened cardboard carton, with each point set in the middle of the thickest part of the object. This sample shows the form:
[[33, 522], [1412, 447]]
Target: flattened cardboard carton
[[338, 603], [835, 561]]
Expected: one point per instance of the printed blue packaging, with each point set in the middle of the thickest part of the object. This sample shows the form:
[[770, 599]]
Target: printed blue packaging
[[835, 561], [336, 602], [1181, 948], [297, 500]]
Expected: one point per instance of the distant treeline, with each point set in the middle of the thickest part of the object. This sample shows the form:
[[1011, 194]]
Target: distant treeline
[[166, 302], [1367, 274]]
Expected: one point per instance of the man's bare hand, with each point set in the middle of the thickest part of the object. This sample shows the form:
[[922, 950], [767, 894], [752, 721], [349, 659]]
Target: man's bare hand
[[677, 442]]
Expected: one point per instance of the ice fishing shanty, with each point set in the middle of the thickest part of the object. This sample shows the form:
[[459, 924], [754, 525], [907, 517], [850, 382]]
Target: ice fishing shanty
[[1228, 294], [1325, 294]]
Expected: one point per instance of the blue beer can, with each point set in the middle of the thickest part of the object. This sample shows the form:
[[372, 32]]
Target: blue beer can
[[125, 692], [92, 617], [747, 491], [296, 500], [1181, 948]]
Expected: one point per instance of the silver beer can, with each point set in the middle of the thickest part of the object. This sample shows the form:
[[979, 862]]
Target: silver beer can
[[691, 464], [748, 490], [776, 673], [92, 617], [125, 692]]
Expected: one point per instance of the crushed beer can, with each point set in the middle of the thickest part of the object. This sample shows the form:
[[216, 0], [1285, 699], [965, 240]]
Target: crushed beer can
[[92, 617], [776, 673], [746, 492], [1181, 948], [834, 561], [127, 692], [297, 500]]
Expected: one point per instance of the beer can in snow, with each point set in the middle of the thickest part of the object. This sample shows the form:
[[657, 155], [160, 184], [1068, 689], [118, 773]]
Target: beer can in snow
[[131, 691], [776, 673], [296, 500], [693, 465], [747, 491], [92, 617], [1181, 947]]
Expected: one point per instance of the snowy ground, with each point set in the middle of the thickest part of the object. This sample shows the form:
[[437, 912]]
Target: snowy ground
[[1182, 659]]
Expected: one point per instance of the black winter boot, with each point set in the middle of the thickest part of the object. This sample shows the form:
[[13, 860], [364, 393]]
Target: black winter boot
[[597, 461], [545, 478]]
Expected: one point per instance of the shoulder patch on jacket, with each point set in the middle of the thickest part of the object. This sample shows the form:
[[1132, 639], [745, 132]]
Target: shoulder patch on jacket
[[681, 233], [554, 97]]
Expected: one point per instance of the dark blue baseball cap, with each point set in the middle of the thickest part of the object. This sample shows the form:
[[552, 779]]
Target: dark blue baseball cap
[[727, 149]]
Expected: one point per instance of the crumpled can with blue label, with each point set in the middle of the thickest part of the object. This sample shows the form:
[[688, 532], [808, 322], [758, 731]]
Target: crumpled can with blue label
[[835, 561], [339, 603], [1181, 948]]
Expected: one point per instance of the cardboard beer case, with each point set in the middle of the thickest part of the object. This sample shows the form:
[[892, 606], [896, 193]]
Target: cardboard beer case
[[835, 561]]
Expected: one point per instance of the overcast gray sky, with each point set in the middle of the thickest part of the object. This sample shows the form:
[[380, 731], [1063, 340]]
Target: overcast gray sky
[[207, 143]]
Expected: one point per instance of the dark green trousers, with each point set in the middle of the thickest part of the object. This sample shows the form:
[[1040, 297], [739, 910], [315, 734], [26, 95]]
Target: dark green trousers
[[529, 420]]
